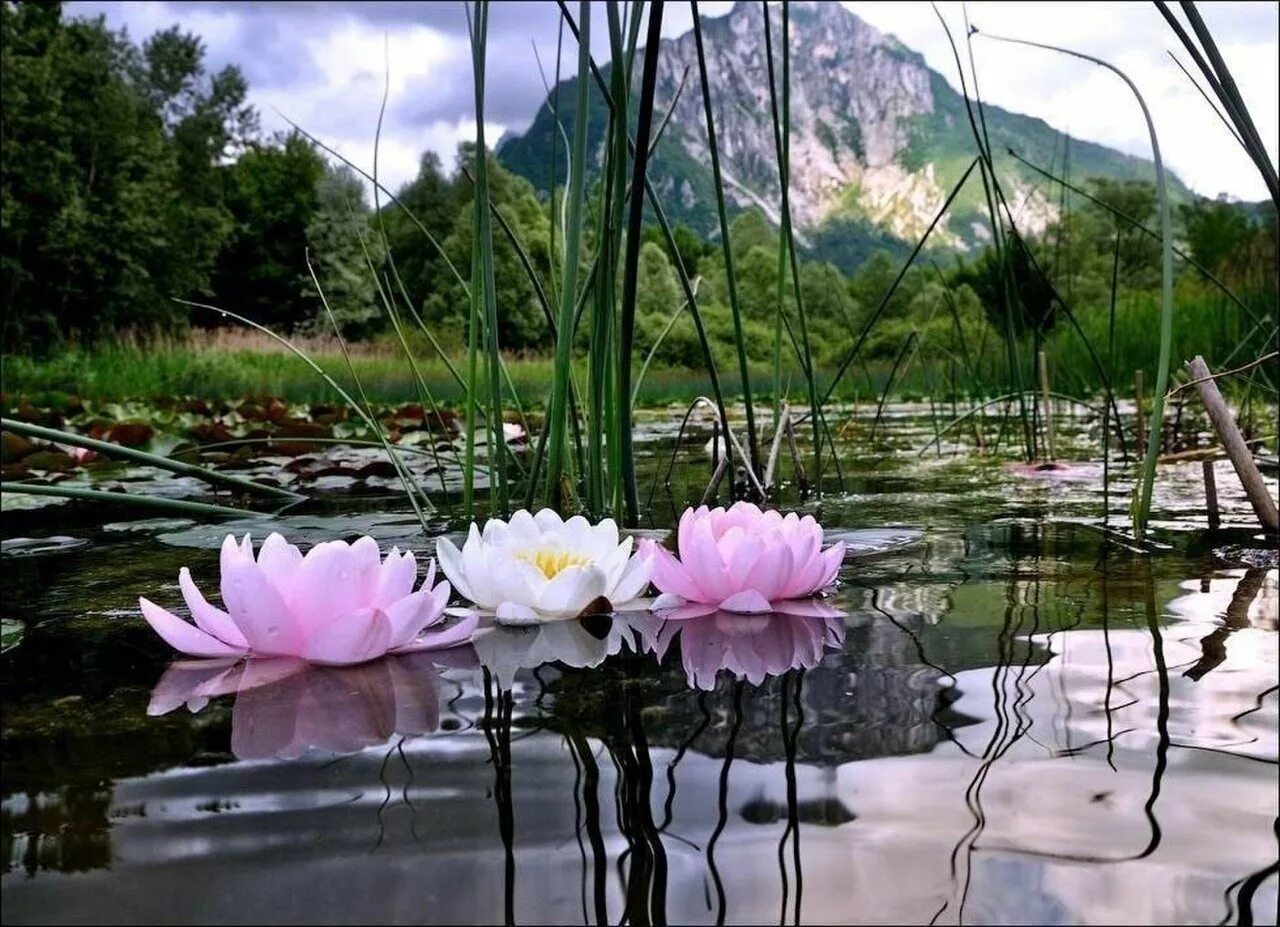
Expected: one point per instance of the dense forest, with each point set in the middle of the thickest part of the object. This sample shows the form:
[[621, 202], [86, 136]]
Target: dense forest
[[132, 175]]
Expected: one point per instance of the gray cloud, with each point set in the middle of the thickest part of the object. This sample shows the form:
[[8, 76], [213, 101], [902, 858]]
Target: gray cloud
[[273, 42]]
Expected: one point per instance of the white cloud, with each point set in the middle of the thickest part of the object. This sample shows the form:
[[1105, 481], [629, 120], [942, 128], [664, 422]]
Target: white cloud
[[337, 93], [1094, 104]]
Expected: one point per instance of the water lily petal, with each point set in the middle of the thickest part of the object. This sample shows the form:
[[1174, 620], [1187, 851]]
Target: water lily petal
[[613, 560], [395, 577], [516, 614], [748, 601], [522, 528], [688, 611], [772, 572], [496, 532], [569, 592], [742, 560], [599, 540], [450, 560], [279, 561], [458, 633], [514, 580], [475, 565], [670, 575], [354, 637], [408, 615], [231, 552], [548, 521], [704, 565], [832, 557], [182, 635], [633, 581], [335, 578], [209, 619], [258, 611], [807, 608]]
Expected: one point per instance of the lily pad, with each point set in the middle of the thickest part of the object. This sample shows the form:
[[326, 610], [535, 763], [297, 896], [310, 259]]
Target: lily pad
[[873, 542], [41, 547], [14, 501], [145, 525], [395, 528], [10, 633]]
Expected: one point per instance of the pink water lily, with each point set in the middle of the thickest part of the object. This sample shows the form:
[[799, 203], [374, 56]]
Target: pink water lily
[[341, 604], [741, 560]]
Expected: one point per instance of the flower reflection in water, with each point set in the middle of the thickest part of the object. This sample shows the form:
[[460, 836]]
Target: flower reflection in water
[[580, 643], [285, 708], [751, 647]]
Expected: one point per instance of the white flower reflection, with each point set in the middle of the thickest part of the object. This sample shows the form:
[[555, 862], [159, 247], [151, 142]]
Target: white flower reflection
[[581, 643]]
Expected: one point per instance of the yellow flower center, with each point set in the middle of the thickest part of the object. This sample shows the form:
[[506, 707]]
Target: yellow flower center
[[552, 561]]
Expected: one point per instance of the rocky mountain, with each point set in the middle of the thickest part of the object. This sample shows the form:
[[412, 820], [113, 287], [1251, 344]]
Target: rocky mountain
[[878, 139]]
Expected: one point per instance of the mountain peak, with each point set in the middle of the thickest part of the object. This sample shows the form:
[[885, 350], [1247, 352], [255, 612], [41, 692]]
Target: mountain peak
[[878, 139]]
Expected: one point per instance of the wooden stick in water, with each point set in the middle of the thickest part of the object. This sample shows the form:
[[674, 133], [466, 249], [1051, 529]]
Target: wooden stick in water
[[784, 416], [1048, 407], [1211, 494], [714, 486], [1233, 442], [801, 480]]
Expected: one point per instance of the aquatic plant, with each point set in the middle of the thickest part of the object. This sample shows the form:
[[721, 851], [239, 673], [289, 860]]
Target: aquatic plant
[[539, 566], [340, 604], [741, 560]]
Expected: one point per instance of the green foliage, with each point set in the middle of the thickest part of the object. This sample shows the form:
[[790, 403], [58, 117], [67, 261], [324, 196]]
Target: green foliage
[[521, 320], [131, 176], [434, 200], [272, 193], [345, 254], [109, 190]]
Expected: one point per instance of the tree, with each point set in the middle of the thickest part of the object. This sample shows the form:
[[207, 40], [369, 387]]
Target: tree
[[433, 200], [345, 253], [104, 157], [272, 192], [1215, 231], [522, 322], [657, 292]]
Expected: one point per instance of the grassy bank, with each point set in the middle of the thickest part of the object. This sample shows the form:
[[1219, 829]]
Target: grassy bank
[[230, 363]]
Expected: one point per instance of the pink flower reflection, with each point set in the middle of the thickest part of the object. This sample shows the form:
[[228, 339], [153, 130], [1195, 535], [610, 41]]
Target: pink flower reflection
[[748, 646], [285, 707]]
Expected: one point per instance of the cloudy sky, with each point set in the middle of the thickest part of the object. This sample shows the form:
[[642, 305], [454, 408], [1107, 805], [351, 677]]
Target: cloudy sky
[[322, 65]]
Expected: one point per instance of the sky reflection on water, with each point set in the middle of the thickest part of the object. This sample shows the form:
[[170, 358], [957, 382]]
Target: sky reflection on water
[[1001, 729]]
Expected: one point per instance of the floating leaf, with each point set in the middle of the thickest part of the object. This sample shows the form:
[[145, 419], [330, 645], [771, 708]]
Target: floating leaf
[[10, 633], [874, 542], [41, 547]]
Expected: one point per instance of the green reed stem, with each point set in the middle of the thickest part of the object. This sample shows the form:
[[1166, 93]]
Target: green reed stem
[[735, 309], [108, 449], [556, 423]]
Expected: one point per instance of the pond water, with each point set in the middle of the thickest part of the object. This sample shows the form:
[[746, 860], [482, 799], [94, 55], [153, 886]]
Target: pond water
[[1020, 718]]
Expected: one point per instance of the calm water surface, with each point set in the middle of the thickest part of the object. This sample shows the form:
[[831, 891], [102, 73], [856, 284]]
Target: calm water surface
[[1017, 720]]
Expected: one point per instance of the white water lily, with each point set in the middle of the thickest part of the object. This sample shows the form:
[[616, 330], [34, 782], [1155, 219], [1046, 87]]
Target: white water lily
[[541, 567]]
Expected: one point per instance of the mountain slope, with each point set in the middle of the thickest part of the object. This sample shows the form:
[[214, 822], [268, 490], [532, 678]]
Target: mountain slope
[[878, 139]]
